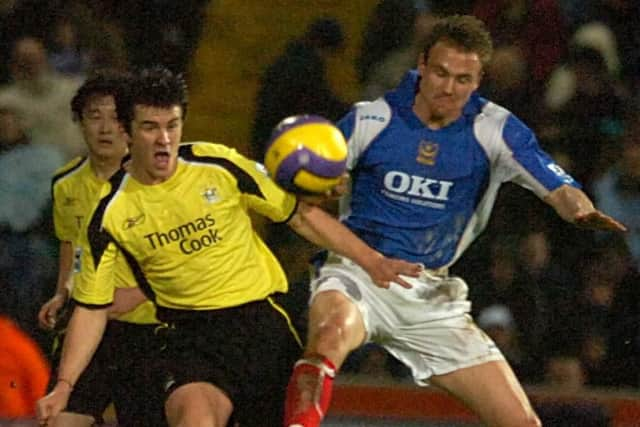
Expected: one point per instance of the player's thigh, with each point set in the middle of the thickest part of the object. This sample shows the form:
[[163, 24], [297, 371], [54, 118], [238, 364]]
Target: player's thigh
[[492, 391], [67, 419]]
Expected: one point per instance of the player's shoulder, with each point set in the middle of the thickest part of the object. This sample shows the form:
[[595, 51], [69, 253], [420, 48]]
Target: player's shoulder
[[69, 169], [493, 120], [378, 111], [219, 155], [200, 150], [370, 118], [494, 113]]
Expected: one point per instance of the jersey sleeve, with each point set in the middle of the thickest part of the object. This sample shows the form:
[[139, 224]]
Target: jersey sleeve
[[517, 157], [94, 284], [262, 194], [64, 226], [362, 125]]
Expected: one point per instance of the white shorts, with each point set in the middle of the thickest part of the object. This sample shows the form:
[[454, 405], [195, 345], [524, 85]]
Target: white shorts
[[427, 327]]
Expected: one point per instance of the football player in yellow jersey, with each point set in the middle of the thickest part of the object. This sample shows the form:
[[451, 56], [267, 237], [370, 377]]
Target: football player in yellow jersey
[[116, 372], [180, 216]]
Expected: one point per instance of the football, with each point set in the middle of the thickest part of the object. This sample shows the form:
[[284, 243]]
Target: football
[[306, 154]]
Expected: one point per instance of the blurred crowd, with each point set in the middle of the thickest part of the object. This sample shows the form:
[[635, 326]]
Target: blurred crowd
[[561, 304]]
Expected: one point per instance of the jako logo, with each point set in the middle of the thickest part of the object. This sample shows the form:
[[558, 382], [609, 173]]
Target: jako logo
[[371, 117], [417, 186]]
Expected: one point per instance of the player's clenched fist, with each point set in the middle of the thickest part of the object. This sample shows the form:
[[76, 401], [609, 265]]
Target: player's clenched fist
[[48, 407]]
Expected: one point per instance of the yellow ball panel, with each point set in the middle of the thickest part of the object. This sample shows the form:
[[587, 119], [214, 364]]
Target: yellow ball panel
[[314, 183], [323, 139]]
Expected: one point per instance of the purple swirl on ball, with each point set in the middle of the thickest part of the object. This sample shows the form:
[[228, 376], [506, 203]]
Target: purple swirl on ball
[[305, 159]]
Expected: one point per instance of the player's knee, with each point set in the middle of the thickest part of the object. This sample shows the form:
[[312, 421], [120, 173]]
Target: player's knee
[[331, 338], [524, 419]]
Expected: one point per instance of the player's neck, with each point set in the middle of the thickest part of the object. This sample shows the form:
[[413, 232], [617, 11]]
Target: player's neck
[[104, 168], [428, 118]]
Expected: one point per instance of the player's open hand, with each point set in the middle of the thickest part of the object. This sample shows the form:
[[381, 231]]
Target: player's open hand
[[597, 220], [50, 406], [51, 310], [385, 270]]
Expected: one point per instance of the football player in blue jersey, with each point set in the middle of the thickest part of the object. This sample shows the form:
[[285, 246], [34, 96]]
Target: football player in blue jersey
[[426, 162]]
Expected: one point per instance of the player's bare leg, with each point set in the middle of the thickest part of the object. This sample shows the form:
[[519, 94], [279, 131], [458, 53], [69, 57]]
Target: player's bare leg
[[335, 329], [493, 392], [198, 405], [70, 419]]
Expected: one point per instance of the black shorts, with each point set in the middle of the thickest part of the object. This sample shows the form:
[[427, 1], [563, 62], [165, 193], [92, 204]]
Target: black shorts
[[125, 371], [247, 351]]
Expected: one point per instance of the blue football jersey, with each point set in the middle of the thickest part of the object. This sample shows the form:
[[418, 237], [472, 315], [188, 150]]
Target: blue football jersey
[[424, 195]]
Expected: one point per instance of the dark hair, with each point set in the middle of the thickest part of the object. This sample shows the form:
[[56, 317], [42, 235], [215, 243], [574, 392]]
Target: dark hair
[[101, 83], [155, 87], [466, 31]]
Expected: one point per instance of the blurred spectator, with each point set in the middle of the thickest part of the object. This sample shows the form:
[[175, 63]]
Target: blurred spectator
[[604, 322], [66, 56], [617, 192], [24, 372], [386, 72], [566, 374], [615, 15], [41, 97], [296, 82], [389, 29], [590, 39], [156, 32], [536, 28], [498, 322], [542, 285], [27, 251], [588, 123], [507, 82]]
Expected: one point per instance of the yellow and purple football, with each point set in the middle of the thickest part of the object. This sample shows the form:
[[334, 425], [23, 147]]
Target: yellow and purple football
[[306, 154]]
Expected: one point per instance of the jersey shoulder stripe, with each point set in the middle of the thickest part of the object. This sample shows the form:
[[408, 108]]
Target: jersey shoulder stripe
[[98, 237], [68, 169], [370, 120], [489, 126], [221, 156]]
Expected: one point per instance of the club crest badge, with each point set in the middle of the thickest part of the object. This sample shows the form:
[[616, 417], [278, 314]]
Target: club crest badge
[[427, 153], [210, 195]]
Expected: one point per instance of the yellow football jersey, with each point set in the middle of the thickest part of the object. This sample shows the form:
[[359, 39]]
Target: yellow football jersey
[[76, 192], [189, 239]]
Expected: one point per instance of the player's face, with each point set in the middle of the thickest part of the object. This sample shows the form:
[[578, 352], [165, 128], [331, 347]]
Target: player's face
[[105, 138], [449, 75], [156, 133]]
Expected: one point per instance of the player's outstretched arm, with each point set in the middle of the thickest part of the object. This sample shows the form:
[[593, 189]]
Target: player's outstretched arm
[[574, 206], [51, 310], [84, 333], [320, 228]]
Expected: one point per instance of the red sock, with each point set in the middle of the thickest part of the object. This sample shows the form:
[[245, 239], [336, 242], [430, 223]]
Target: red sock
[[309, 392]]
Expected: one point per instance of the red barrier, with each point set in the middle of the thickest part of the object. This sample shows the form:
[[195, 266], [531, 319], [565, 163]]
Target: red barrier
[[418, 403]]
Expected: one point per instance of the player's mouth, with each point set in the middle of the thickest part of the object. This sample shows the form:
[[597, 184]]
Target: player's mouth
[[103, 141], [161, 159]]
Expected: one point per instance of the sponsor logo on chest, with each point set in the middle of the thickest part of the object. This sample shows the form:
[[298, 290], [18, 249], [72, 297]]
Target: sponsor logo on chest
[[417, 186]]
